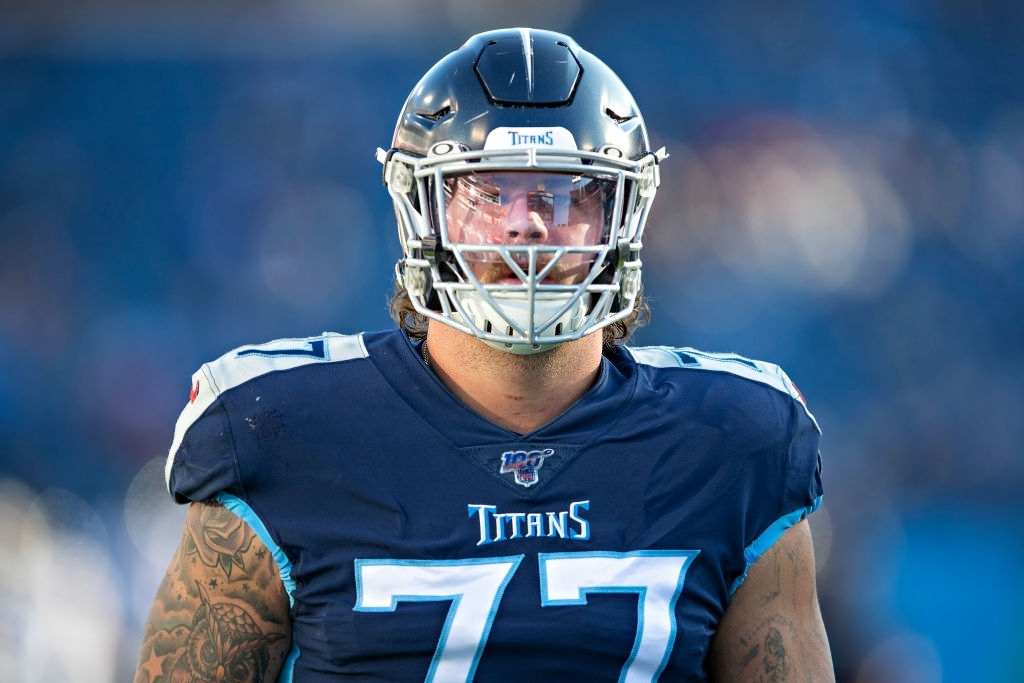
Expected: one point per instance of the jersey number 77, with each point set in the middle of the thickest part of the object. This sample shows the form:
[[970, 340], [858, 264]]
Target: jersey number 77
[[475, 588]]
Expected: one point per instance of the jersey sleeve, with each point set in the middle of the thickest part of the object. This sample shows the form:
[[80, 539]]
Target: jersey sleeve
[[786, 485], [202, 463], [803, 488]]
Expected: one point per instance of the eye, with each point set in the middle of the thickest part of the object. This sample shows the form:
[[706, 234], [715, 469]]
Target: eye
[[240, 671]]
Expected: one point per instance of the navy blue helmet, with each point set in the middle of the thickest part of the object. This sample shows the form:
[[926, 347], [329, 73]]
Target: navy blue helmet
[[522, 178]]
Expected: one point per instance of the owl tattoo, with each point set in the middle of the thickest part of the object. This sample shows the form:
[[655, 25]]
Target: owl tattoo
[[223, 644]]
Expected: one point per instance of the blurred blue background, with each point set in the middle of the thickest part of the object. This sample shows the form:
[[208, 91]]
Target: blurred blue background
[[845, 197]]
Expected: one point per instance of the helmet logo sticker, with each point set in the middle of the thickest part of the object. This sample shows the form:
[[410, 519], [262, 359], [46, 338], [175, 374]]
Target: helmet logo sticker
[[524, 465], [506, 137], [545, 138]]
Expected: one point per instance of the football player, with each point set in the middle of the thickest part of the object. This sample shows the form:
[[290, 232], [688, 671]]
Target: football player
[[499, 488]]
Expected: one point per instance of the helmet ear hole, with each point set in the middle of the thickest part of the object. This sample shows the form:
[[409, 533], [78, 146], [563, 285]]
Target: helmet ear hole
[[612, 151], [446, 147]]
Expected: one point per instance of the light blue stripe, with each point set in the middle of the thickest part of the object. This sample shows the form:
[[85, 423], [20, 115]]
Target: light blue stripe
[[247, 515], [284, 566], [288, 670], [768, 537]]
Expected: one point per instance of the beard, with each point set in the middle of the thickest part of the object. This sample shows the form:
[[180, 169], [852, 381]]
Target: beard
[[565, 272]]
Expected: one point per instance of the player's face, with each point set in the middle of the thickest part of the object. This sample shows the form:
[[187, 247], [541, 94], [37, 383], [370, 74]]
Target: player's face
[[525, 208]]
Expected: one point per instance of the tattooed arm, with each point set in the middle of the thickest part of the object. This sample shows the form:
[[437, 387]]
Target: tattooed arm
[[772, 631], [221, 612]]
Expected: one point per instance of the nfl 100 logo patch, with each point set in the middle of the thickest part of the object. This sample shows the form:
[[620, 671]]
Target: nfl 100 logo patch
[[524, 464]]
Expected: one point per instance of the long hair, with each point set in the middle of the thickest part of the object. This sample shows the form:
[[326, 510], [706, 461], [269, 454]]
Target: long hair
[[415, 325]]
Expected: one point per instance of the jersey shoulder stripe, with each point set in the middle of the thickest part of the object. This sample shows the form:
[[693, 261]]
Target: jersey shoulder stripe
[[245, 363], [689, 358]]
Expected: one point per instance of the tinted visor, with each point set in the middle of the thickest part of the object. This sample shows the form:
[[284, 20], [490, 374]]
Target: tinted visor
[[527, 207]]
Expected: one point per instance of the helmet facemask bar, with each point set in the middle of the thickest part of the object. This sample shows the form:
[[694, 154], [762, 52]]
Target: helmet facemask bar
[[425, 237]]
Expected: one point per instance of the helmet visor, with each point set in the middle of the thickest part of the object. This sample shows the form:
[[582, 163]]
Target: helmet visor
[[529, 208]]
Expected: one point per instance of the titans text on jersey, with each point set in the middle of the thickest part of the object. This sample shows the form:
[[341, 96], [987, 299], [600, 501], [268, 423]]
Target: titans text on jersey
[[418, 541], [507, 526]]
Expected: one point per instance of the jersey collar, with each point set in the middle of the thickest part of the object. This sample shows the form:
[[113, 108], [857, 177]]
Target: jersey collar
[[399, 360]]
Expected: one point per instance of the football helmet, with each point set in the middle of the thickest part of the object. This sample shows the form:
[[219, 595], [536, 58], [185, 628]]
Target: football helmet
[[522, 177]]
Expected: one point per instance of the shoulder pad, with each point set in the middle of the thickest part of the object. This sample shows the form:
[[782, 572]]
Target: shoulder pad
[[692, 359], [238, 366]]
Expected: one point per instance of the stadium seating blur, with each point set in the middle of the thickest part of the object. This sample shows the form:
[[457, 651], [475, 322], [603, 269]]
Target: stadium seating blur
[[845, 197]]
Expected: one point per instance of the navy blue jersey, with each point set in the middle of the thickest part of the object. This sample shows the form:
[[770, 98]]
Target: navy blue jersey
[[418, 541]]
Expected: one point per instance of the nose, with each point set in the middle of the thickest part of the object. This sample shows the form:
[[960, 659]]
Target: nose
[[523, 226]]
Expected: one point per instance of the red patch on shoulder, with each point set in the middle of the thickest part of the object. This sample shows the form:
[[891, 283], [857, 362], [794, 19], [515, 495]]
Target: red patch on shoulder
[[195, 392]]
